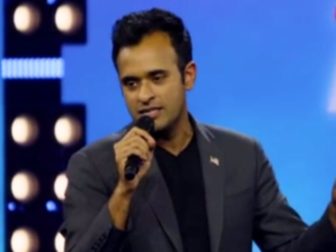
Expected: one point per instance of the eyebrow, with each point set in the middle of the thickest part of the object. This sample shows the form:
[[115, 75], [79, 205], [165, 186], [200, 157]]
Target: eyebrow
[[155, 72]]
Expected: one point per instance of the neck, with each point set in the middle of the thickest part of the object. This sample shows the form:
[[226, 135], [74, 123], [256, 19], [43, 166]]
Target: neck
[[176, 138]]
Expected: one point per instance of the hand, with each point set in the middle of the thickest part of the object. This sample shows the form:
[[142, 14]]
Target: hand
[[140, 143], [332, 208], [136, 142]]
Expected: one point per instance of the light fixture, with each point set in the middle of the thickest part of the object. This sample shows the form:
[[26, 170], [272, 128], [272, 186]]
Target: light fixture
[[32, 68], [26, 18], [59, 243], [51, 206], [68, 18], [24, 240], [24, 186], [24, 130], [60, 185], [11, 206], [67, 130]]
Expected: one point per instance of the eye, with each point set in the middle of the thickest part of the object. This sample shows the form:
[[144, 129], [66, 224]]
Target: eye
[[158, 78], [130, 84]]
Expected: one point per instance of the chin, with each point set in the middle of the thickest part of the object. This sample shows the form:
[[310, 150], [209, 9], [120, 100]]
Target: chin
[[159, 126], [162, 126]]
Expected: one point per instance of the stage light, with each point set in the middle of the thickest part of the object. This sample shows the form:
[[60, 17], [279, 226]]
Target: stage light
[[26, 18], [38, 142], [24, 186], [68, 18], [59, 242], [24, 130], [32, 68], [24, 240], [67, 130], [60, 185], [11, 206], [51, 206], [51, 2]]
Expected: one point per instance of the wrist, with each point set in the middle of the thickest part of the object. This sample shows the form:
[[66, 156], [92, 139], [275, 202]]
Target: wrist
[[123, 191], [118, 205]]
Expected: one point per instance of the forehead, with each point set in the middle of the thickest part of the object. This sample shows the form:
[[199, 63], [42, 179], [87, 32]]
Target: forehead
[[154, 51]]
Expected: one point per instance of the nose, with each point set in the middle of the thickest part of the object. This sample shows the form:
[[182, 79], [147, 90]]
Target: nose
[[146, 93]]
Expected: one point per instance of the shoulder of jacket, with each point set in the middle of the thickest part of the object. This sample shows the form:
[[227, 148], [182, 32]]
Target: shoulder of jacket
[[225, 134]]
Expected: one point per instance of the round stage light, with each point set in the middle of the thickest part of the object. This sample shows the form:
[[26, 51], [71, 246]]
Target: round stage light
[[24, 130], [67, 130], [59, 242], [60, 185], [11, 206], [24, 186], [24, 240], [68, 18], [27, 18], [51, 206]]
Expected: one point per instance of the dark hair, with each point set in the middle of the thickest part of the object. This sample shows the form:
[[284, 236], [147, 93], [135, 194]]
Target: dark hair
[[130, 29]]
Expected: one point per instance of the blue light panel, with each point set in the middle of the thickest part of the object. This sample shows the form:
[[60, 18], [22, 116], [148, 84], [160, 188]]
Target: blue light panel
[[32, 68]]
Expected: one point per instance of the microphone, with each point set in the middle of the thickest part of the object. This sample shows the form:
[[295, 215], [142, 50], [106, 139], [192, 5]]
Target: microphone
[[133, 161]]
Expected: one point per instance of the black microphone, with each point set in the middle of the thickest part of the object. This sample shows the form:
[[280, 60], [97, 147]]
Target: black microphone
[[133, 161]]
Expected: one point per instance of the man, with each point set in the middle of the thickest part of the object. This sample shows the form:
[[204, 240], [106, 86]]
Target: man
[[199, 188]]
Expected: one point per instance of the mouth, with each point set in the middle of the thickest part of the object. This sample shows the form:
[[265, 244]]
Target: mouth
[[153, 112]]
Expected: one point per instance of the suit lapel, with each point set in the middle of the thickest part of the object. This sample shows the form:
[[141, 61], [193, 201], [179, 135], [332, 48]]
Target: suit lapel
[[155, 191], [213, 174], [157, 194]]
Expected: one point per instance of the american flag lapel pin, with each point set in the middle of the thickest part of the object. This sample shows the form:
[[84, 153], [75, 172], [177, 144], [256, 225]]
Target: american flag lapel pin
[[214, 160]]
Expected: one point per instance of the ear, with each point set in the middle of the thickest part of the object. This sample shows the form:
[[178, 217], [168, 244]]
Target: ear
[[190, 72]]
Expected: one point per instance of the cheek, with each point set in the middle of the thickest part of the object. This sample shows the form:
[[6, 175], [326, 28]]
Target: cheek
[[174, 97], [177, 92], [130, 103]]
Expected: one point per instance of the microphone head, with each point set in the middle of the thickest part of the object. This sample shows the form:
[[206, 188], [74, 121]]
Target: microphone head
[[146, 123]]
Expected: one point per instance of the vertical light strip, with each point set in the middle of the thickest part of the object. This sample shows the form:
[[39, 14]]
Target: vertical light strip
[[332, 101], [2, 133], [32, 68]]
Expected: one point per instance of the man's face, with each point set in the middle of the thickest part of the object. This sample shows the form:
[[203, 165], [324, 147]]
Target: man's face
[[151, 81]]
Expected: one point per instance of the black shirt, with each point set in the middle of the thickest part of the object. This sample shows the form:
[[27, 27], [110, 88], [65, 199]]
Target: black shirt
[[184, 178]]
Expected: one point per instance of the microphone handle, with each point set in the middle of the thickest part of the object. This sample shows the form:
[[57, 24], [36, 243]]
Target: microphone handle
[[132, 167], [134, 162]]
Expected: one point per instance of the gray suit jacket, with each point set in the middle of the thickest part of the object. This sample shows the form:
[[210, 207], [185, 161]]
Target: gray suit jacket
[[243, 203]]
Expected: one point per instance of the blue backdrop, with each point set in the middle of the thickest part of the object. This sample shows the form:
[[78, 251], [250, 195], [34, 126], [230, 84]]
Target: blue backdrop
[[266, 69]]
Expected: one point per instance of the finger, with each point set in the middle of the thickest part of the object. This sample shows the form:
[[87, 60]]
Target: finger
[[125, 151], [134, 146], [146, 166], [135, 142], [145, 135], [139, 151], [128, 154], [129, 139]]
